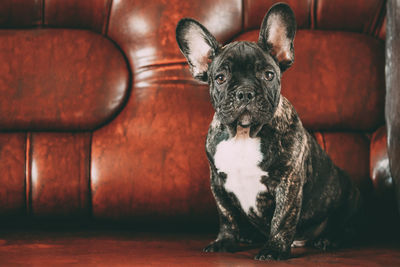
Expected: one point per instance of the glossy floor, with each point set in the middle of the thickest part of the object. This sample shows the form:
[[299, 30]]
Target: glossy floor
[[124, 248]]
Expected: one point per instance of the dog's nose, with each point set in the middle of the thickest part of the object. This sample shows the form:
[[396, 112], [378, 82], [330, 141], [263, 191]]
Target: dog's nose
[[245, 95]]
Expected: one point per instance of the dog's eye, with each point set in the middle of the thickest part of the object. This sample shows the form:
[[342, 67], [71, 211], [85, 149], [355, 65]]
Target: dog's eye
[[220, 78], [269, 75]]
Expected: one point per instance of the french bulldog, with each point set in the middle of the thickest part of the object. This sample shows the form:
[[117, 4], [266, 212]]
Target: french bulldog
[[271, 181]]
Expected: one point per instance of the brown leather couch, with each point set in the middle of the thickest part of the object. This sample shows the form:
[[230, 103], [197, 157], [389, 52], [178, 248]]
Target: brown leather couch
[[100, 119]]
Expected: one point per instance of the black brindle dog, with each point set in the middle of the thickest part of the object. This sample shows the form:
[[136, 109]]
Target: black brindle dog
[[271, 180]]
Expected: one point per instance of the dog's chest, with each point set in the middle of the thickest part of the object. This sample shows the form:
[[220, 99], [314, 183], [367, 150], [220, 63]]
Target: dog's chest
[[239, 159]]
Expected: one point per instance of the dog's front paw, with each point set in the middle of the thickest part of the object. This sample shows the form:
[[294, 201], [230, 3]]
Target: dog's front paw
[[266, 254], [222, 245], [325, 244]]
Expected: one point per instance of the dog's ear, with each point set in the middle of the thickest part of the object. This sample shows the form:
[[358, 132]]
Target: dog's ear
[[197, 45], [277, 34]]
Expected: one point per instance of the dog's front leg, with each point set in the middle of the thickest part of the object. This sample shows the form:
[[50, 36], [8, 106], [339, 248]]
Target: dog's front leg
[[284, 222], [227, 239]]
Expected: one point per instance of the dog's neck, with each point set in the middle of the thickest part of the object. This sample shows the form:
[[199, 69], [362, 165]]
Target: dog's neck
[[242, 132]]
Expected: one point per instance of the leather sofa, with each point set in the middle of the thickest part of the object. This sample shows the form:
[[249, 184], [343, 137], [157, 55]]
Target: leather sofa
[[100, 119]]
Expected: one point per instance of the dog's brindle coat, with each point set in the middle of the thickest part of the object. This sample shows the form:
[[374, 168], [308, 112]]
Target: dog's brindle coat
[[271, 181]]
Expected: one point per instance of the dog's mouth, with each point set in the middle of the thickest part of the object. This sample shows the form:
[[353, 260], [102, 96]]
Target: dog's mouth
[[245, 122]]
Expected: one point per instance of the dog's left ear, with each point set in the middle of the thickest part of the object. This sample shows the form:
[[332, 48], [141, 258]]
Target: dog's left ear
[[277, 34]]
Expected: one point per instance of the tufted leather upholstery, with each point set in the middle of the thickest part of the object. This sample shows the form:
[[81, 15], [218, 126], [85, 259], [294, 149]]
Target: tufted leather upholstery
[[100, 117], [40, 94]]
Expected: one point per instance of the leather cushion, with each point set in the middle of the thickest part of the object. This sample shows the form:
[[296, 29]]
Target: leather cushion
[[356, 15], [59, 80]]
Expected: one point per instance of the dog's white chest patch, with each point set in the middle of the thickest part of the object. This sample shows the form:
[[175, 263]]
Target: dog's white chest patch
[[238, 158]]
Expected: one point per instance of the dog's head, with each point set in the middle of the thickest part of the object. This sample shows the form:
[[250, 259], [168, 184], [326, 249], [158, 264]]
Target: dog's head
[[244, 77]]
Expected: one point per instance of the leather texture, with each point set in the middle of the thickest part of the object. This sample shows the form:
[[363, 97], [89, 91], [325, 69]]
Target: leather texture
[[20, 13], [255, 10], [88, 14], [100, 117], [12, 178], [37, 93], [145, 30], [354, 16], [162, 143], [58, 174]]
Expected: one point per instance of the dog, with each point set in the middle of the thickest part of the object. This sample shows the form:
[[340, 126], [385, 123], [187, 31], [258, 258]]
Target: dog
[[271, 181]]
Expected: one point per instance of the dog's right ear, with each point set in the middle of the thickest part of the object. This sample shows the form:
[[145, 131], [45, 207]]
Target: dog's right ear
[[198, 46], [277, 34]]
